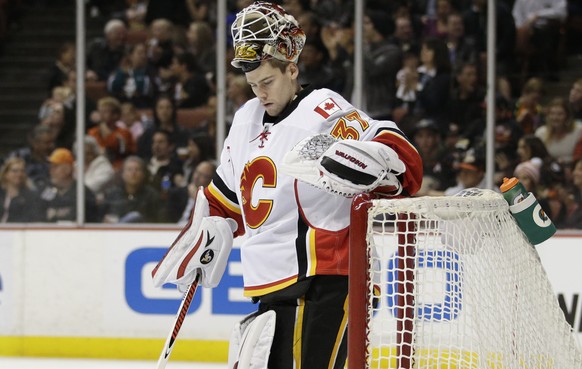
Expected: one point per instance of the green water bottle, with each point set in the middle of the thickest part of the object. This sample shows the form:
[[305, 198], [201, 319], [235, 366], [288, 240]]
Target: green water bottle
[[513, 191], [530, 217]]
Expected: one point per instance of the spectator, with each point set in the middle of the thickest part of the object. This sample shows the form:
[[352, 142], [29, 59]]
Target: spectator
[[407, 85], [133, 200], [202, 45], [99, 172], [575, 100], [507, 130], [560, 133], [132, 120], [238, 92], [531, 146], [339, 42], [59, 94], [529, 174], [382, 61], [437, 174], [467, 97], [164, 167], [64, 63], [310, 23], [160, 44], [181, 200], [41, 143], [538, 25], [134, 80], [105, 54], [190, 156], [110, 135], [60, 198], [20, 203], [191, 89], [433, 85], [71, 104], [528, 106], [62, 130], [471, 172], [437, 26], [164, 119], [404, 36], [462, 48], [314, 68]]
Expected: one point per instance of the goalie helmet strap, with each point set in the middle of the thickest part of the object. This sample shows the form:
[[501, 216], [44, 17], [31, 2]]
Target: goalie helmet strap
[[347, 173]]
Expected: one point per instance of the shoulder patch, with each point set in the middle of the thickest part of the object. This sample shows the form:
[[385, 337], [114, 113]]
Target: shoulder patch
[[327, 107]]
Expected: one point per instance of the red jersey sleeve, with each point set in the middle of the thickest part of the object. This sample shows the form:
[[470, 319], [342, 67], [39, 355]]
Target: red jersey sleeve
[[412, 178]]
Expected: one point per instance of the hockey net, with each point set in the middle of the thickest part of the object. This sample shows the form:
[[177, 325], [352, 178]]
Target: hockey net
[[450, 282]]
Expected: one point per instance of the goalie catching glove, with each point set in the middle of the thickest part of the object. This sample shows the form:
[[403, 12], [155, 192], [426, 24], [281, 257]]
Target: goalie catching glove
[[202, 247], [345, 168]]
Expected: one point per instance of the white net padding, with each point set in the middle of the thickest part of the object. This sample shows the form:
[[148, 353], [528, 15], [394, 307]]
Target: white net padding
[[480, 296]]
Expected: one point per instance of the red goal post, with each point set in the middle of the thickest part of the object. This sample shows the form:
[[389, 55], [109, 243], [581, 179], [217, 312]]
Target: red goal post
[[450, 282]]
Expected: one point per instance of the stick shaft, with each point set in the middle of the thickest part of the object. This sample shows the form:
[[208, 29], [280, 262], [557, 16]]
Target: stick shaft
[[180, 316]]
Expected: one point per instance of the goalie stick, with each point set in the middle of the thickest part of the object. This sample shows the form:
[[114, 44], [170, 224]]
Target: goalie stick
[[180, 316]]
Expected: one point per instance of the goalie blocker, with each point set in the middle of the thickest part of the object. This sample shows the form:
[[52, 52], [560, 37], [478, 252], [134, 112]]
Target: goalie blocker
[[202, 247]]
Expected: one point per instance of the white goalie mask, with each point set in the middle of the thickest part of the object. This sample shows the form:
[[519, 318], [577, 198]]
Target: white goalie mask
[[262, 31]]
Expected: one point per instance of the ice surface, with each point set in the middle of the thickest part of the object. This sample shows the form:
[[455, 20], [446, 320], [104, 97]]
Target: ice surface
[[50, 363]]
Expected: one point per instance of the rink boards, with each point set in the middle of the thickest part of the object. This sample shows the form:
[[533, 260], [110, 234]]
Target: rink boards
[[87, 292]]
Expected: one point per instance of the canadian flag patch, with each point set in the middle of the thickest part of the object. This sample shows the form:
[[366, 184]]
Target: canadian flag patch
[[327, 107]]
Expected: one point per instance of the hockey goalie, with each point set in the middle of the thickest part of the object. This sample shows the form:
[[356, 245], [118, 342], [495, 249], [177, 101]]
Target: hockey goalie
[[293, 159]]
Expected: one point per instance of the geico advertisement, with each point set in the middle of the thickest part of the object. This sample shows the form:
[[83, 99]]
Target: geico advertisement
[[97, 283]]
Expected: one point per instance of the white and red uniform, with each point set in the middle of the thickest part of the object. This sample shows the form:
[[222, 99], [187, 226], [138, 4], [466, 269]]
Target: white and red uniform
[[293, 230]]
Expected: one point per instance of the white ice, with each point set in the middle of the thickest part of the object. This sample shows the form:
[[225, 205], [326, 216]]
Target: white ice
[[50, 363]]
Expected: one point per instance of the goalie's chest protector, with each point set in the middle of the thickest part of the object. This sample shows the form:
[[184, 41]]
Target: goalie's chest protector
[[293, 230]]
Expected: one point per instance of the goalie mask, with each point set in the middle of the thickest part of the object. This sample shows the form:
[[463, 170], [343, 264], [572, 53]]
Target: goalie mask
[[262, 31]]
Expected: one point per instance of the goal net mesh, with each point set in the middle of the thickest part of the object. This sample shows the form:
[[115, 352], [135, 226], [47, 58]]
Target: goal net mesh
[[452, 282]]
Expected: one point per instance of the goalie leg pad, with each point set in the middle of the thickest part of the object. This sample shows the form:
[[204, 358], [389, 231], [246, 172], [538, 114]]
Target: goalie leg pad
[[201, 247], [251, 340]]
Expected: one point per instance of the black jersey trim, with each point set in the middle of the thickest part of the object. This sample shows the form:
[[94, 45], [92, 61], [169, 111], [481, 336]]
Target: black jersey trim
[[391, 129], [301, 247], [221, 186], [289, 108]]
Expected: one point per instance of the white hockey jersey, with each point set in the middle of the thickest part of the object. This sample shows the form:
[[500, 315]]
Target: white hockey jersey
[[293, 230]]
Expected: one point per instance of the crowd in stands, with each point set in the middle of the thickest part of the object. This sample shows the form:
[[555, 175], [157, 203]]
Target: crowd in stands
[[151, 102]]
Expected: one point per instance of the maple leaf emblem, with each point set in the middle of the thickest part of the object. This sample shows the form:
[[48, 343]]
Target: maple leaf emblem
[[329, 106]]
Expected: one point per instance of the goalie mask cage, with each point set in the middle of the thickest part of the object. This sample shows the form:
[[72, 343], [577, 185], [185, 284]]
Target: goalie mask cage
[[450, 282]]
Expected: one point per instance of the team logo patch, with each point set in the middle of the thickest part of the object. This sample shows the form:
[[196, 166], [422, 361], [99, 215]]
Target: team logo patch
[[247, 51], [206, 257], [327, 108]]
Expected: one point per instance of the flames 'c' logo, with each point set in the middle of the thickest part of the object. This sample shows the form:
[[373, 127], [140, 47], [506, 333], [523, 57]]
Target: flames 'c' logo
[[261, 169]]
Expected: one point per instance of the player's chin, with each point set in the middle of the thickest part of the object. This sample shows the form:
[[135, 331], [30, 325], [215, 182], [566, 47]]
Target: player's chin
[[272, 110]]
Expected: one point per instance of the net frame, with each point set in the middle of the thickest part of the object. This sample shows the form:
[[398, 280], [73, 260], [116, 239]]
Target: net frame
[[470, 206]]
